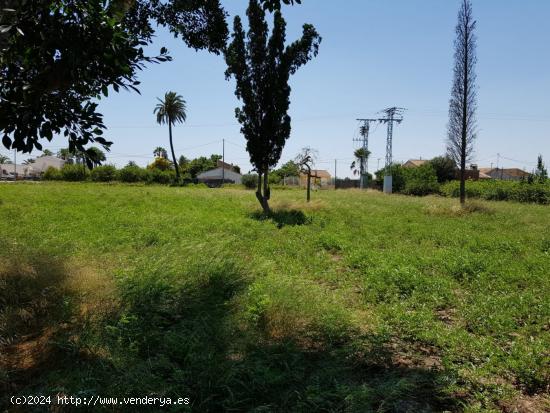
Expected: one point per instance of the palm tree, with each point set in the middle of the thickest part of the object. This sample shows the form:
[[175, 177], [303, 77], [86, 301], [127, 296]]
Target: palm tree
[[28, 161], [358, 166], [171, 110], [4, 159], [160, 152], [96, 156]]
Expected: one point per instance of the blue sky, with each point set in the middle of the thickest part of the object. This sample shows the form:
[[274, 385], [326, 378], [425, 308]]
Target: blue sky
[[375, 54]]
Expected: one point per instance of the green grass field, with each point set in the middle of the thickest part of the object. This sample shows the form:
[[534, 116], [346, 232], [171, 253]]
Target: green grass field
[[356, 302]]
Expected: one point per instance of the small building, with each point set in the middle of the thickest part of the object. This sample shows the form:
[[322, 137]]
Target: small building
[[505, 174], [215, 177], [8, 171], [320, 178], [42, 163]]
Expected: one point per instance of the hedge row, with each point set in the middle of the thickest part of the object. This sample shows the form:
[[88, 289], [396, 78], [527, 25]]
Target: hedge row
[[494, 190], [109, 173]]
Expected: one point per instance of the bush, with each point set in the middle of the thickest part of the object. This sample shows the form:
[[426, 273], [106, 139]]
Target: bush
[[250, 181], [52, 174], [161, 164], [157, 176], [398, 174], [444, 167], [420, 181], [106, 173], [131, 174], [494, 190], [74, 172]]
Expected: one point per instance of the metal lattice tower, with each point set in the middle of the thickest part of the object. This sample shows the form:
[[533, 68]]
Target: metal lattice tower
[[364, 131], [393, 115]]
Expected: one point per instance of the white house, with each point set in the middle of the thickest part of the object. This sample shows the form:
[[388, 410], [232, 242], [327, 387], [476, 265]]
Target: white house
[[42, 163], [216, 176], [8, 171]]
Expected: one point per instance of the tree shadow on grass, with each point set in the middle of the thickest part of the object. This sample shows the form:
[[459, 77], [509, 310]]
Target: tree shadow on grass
[[186, 336], [190, 340], [283, 217], [33, 306]]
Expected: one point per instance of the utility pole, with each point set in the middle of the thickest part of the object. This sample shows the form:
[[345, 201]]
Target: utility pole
[[364, 139], [15, 165], [335, 176], [393, 115], [378, 164], [223, 161]]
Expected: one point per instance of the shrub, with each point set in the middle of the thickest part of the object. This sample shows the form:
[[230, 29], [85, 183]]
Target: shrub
[[106, 173], [494, 190], [74, 172], [444, 167], [52, 174], [157, 176], [398, 176], [131, 174], [161, 164], [250, 181], [420, 181]]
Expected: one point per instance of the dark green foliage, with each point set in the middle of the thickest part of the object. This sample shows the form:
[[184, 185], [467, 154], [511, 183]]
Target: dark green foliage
[[261, 65], [200, 165], [58, 56], [74, 173], [495, 190], [92, 156], [131, 174], [52, 174], [106, 173], [358, 166], [160, 152], [445, 168], [398, 174], [157, 176], [250, 181], [290, 168], [541, 173], [420, 181]]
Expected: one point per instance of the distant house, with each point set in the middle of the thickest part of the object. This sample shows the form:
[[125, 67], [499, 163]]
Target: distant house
[[42, 163], [505, 174], [415, 163], [319, 178], [32, 170], [224, 173], [9, 170]]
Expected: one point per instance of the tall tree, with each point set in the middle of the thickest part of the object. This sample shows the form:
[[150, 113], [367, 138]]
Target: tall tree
[[171, 110], [4, 159], [160, 152], [541, 172], [58, 56], [261, 66], [95, 156], [358, 166], [463, 103]]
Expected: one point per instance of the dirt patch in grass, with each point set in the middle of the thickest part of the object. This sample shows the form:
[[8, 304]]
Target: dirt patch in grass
[[526, 404]]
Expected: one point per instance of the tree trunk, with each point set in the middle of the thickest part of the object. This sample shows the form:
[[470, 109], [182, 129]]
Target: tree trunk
[[464, 136], [308, 186], [173, 153], [262, 192]]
